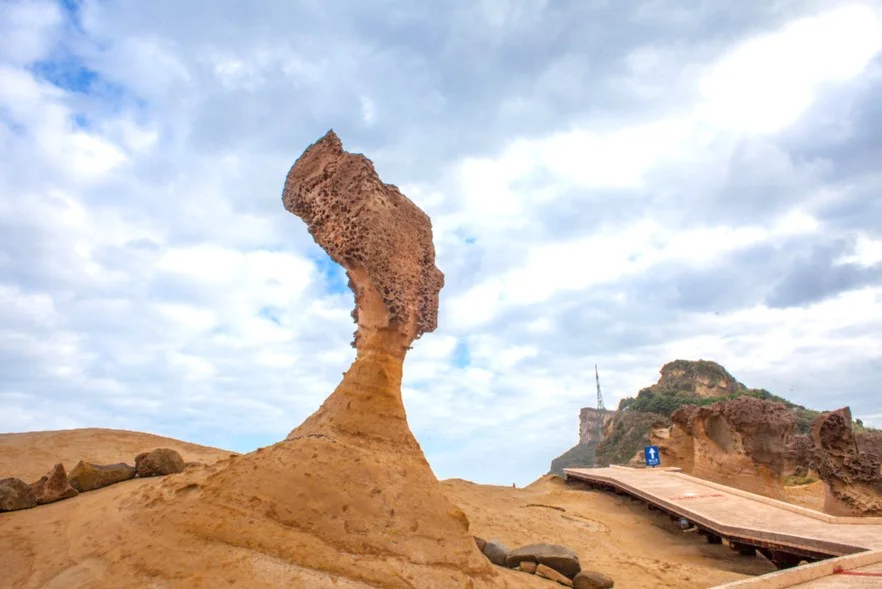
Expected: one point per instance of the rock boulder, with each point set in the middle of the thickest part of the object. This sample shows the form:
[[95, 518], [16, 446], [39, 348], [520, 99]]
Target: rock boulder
[[560, 558], [86, 476], [16, 494], [159, 462], [496, 552], [592, 580], [553, 575], [53, 487]]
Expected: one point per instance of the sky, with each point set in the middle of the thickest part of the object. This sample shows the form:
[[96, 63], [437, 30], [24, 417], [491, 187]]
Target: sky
[[610, 183]]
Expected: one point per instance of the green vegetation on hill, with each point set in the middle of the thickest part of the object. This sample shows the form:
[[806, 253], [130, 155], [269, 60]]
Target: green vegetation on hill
[[627, 435], [676, 388], [579, 456]]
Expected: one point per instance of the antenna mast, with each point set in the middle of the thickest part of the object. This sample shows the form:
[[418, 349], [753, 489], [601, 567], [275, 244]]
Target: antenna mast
[[600, 410]]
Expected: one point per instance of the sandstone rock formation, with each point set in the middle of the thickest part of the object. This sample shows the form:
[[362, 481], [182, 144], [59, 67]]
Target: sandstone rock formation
[[378, 235], [852, 477], [16, 494], [742, 443], [591, 423], [53, 487], [159, 462], [88, 477], [703, 378]]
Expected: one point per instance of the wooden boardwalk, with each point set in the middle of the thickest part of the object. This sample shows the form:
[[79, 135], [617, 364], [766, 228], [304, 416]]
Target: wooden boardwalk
[[786, 534]]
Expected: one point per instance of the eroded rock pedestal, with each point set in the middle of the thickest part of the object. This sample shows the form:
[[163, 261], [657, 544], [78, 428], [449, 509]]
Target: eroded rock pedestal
[[359, 499], [348, 500], [853, 482]]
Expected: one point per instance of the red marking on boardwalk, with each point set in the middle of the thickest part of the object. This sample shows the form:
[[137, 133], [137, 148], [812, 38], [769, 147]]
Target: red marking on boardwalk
[[841, 571]]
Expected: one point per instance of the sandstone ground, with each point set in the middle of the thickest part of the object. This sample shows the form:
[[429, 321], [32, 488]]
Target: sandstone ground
[[55, 545]]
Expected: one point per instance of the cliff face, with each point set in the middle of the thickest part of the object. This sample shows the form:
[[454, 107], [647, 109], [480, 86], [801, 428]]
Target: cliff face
[[852, 478], [591, 424]]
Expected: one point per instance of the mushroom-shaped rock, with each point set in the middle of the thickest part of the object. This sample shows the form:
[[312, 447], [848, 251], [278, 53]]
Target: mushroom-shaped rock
[[159, 462], [558, 557], [16, 494], [86, 476], [53, 487]]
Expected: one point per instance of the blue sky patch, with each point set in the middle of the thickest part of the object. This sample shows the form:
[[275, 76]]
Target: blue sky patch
[[271, 313], [461, 355], [68, 73], [335, 280]]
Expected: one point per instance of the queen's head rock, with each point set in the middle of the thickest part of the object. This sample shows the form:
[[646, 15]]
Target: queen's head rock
[[381, 238]]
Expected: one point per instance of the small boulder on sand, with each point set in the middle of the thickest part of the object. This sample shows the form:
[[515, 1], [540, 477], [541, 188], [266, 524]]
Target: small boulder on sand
[[527, 566], [552, 575], [560, 558], [496, 552], [592, 580], [16, 494], [53, 487], [159, 462], [86, 476]]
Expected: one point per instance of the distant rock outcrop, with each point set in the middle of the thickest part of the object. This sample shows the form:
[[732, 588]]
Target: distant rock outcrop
[[742, 443], [591, 423], [852, 478], [701, 377]]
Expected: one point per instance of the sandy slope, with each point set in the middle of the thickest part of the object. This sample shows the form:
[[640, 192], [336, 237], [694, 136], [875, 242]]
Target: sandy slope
[[78, 542], [30, 455], [611, 534]]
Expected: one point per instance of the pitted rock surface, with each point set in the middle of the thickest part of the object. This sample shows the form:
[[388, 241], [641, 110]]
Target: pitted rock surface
[[377, 234], [53, 487], [852, 477], [159, 462], [86, 476], [743, 443], [16, 494]]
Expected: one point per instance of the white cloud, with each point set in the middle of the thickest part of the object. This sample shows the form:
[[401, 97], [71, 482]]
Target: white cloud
[[29, 29], [768, 82]]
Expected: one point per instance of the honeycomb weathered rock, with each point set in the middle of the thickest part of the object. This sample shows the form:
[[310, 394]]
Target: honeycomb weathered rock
[[377, 234]]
